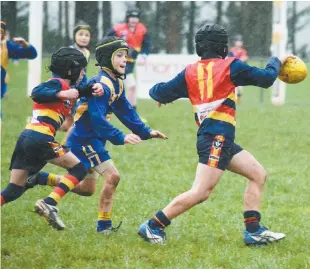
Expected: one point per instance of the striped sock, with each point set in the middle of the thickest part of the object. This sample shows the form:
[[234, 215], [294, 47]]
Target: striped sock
[[66, 184], [47, 179], [2, 200]]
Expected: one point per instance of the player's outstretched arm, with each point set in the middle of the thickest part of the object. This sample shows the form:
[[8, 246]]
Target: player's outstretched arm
[[170, 91], [20, 48], [243, 74]]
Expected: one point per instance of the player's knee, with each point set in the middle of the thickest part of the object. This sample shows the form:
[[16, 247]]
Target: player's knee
[[260, 176], [114, 178], [201, 196], [79, 171]]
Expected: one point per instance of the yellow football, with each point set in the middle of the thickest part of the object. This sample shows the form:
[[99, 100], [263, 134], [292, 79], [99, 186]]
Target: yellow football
[[293, 71]]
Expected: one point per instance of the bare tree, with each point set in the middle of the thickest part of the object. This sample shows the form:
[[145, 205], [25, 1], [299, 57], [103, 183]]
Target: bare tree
[[174, 26], [9, 15], [106, 13], [67, 35], [256, 30], [219, 10], [46, 16], [191, 30], [297, 20], [293, 25], [60, 5]]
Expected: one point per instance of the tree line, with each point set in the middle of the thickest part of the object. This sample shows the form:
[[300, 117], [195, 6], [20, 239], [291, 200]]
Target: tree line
[[171, 24]]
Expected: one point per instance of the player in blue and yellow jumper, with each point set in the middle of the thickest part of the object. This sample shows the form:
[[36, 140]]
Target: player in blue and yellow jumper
[[81, 40], [36, 146], [210, 85], [92, 129], [16, 49]]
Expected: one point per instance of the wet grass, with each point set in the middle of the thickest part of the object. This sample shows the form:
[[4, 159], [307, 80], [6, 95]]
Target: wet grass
[[154, 172]]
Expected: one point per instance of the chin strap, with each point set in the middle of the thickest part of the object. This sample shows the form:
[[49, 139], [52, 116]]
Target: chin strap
[[122, 77]]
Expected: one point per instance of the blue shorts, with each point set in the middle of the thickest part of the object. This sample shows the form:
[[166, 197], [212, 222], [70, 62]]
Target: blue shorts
[[91, 153], [216, 150]]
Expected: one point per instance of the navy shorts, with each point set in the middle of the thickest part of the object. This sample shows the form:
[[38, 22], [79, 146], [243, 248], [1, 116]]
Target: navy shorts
[[216, 150], [32, 154], [91, 153]]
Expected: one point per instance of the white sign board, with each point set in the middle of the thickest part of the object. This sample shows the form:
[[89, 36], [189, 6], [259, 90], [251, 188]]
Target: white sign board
[[160, 68]]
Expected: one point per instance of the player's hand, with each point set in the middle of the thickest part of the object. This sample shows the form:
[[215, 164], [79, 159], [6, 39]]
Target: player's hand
[[21, 41], [97, 89], [132, 139], [158, 134], [69, 94], [283, 59]]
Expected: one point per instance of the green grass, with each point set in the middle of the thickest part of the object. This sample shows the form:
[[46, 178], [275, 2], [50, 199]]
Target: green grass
[[153, 173]]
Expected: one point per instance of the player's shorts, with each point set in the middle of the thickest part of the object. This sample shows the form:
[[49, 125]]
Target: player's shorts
[[95, 172], [91, 154], [32, 153], [130, 81], [216, 150]]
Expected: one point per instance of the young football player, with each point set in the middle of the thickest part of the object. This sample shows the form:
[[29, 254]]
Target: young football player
[[135, 34], [36, 145], [17, 49], [210, 84], [92, 130], [81, 40]]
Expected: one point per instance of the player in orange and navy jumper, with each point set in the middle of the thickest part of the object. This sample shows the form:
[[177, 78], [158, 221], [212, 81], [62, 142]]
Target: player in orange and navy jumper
[[36, 145], [210, 84], [239, 53], [135, 34], [17, 49]]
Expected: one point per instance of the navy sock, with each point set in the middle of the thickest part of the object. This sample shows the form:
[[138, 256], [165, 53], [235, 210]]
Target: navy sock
[[104, 224], [159, 221], [251, 220], [11, 193]]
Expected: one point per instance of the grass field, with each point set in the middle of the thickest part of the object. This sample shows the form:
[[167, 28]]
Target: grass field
[[154, 172]]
